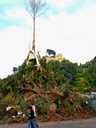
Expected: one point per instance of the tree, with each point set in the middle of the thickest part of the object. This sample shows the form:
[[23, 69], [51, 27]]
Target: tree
[[35, 8], [15, 69], [50, 52]]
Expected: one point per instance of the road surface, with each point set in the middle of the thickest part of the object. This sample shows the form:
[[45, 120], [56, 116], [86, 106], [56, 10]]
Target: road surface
[[81, 123]]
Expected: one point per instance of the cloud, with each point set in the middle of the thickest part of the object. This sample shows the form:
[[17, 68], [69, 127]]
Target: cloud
[[8, 9], [14, 42], [71, 6], [12, 2], [72, 34]]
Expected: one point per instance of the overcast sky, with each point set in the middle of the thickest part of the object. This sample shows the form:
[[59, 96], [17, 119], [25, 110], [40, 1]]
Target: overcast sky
[[68, 27]]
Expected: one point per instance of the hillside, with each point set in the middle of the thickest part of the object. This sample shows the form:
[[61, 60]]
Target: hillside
[[58, 89]]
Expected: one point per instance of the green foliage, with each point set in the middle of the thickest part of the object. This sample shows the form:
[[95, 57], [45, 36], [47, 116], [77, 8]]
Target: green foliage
[[15, 69], [89, 73], [66, 70], [50, 52], [58, 82]]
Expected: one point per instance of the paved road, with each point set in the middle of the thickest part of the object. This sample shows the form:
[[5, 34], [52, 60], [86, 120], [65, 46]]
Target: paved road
[[82, 123]]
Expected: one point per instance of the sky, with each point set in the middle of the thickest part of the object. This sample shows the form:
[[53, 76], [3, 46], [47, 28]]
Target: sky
[[67, 27]]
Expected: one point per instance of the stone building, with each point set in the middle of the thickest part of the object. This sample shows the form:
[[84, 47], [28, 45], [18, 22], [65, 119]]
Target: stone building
[[58, 57]]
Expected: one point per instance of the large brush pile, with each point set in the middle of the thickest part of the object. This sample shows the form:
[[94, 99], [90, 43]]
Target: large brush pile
[[54, 99]]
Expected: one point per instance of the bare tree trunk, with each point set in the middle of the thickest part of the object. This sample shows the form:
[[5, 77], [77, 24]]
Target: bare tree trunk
[[35, 8], [33, 45]]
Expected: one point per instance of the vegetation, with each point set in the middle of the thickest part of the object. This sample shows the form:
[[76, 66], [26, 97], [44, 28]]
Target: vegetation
[[60, 84], [50, 52]]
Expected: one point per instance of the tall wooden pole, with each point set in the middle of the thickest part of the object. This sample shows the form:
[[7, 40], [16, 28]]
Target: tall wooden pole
[[33, 43]]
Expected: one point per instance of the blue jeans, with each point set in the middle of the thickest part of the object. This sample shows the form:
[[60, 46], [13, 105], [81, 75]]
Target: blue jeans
[[32, 123]]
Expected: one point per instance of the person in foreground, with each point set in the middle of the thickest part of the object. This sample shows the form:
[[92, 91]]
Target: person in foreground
[[32, 121]]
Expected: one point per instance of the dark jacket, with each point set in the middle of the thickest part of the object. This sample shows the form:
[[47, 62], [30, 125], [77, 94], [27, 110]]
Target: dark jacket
[[31, 116]]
